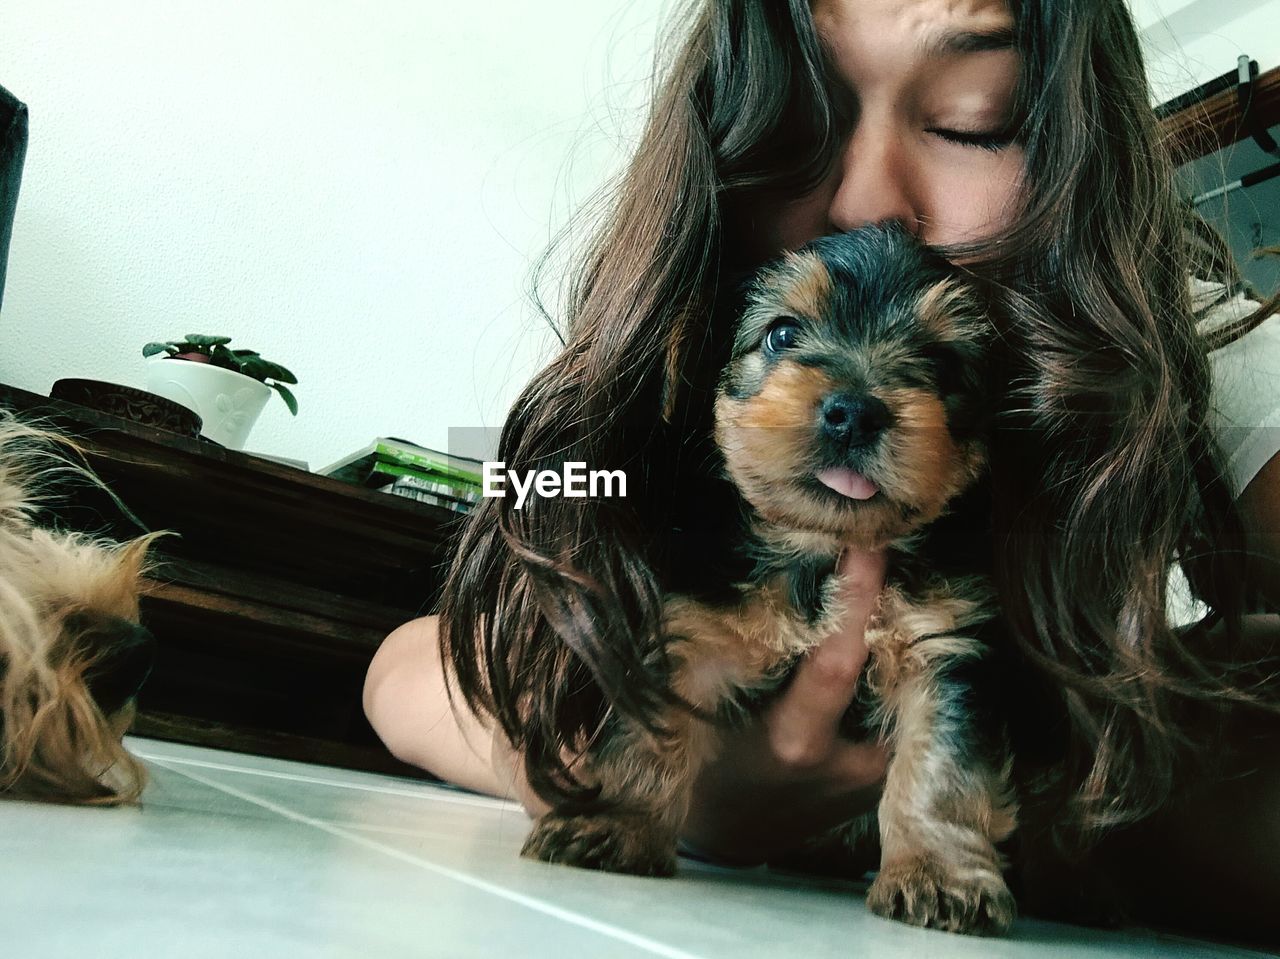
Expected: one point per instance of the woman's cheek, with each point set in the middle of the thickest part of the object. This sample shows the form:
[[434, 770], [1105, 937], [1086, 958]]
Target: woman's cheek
[[969, 203]]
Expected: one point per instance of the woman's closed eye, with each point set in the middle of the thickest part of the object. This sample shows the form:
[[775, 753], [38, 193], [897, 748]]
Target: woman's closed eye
[[983, 139]]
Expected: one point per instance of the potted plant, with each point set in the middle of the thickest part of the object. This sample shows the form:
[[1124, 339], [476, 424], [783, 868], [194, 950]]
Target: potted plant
[[227, 388]]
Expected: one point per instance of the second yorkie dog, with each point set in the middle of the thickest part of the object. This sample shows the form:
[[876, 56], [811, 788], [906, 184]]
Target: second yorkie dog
[[72, 654], [850, 415]]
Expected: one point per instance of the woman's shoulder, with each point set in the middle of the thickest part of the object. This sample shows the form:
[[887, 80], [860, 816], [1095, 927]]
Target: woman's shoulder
[[1246, 380]]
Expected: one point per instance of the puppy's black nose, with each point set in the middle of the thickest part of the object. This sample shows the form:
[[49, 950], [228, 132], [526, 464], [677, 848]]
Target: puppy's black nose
[[128, 653], [854, 419]]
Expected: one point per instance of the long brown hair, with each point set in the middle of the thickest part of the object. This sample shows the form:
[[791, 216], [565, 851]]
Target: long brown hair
[[1105, 471]]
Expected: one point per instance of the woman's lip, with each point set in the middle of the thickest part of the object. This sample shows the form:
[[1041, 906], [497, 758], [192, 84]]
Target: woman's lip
[[847, 482]]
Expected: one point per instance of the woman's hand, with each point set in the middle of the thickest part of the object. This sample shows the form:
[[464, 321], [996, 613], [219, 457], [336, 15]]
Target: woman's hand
[[790, 774]]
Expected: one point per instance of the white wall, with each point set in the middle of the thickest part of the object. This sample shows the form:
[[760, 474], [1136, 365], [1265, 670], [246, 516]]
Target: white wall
[[1188, 42], [356, 189]]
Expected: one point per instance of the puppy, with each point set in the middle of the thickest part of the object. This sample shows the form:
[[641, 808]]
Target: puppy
[[850, 415], [72, 655]]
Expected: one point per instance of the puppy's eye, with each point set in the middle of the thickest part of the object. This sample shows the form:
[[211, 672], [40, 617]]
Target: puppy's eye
[[781, 335]]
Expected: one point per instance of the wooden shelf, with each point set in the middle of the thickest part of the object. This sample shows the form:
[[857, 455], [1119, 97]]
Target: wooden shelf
[[271, 599], [182, 729]]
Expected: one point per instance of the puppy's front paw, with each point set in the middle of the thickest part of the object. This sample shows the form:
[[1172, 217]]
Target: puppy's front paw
[[921, 892], [613, 843]]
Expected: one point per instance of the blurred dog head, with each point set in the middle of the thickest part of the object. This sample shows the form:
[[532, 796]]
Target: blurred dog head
[[853, 401], [72, 655]]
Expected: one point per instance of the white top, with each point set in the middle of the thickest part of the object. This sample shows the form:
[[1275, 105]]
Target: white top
[[1246, 385], [1245, 412]]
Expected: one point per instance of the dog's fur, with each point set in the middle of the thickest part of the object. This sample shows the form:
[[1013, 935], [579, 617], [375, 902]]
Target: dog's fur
[[874, 315], [72, 654]]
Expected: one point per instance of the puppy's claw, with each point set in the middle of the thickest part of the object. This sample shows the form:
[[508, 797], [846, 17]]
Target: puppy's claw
[[612, 843], [920, 892]]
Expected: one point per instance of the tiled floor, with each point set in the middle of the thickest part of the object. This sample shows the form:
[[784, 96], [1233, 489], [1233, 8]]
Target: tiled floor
[[240, 856]]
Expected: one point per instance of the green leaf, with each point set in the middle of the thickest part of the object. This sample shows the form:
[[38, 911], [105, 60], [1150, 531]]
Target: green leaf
[[289, 399], [151, 349], [246, 352], [278, 372], [256, 367], [221, 356], [201, 339]]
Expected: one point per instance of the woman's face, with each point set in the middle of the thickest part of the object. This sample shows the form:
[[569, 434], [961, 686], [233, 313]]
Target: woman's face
[[931, 85]]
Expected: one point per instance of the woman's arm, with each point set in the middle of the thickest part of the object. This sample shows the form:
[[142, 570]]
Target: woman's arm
[[1210, 861], [775, 783], [406, 704]]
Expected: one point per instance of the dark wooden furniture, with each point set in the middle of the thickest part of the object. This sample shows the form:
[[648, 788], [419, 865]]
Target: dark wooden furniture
[[271, 599], [1215, 122], [13, 150]]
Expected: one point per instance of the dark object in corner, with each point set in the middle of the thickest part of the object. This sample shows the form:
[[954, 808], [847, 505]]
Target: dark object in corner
[[13, 150], [129, 403]]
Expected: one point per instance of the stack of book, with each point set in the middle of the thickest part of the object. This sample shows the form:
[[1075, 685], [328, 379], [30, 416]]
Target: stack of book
[[406, 469]]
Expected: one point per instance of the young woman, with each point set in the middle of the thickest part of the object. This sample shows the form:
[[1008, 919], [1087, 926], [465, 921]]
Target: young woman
[[1018, 139]]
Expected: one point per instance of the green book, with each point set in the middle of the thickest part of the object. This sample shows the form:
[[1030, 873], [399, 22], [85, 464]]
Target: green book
[[435, 499], [385, 450], [427, 480]]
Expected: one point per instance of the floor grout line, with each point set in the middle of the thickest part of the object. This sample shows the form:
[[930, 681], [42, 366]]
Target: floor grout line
[[427, 791], [529, 902]]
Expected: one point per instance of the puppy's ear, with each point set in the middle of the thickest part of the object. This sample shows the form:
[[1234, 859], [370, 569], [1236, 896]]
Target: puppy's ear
[[64, 715]]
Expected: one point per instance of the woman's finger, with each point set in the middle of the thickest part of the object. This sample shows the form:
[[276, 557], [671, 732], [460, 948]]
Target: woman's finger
[[805, 720]]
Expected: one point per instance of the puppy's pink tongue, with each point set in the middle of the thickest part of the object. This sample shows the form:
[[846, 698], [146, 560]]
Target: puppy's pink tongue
[[847, 483]]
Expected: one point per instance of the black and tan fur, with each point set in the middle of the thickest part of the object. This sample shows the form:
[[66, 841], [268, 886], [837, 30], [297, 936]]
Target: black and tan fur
[[72, 654], [872, 315]]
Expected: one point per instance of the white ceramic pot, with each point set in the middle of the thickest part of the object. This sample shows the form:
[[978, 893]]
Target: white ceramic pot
[[227, 401]]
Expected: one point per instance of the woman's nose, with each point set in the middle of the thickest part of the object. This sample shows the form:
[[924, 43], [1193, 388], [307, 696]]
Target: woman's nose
[[877, 184]]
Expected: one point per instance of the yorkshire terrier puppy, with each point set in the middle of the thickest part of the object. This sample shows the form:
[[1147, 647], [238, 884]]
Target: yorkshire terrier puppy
[[850, 415], [72, 655]]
